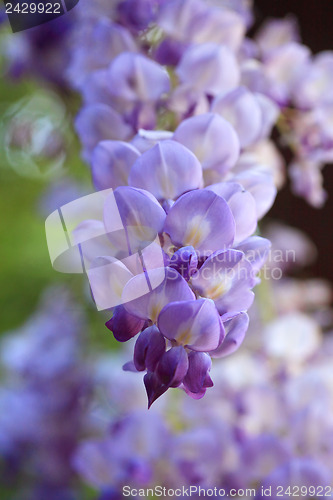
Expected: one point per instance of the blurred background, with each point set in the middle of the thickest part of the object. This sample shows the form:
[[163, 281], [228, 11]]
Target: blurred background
[[314, 18]]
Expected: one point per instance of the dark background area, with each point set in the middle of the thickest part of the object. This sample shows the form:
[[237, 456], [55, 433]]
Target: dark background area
[[315, 18]]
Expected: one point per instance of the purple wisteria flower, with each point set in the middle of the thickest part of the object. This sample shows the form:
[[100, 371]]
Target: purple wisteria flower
[[188, 261]]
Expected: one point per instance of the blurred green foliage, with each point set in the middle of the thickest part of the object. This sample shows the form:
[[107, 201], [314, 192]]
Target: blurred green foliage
[[25, 267]]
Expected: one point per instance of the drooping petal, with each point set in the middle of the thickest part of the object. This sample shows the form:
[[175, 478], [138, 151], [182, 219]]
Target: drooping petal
[[197, 377], [111, 163], [212, 139], [173, 366], [227, 278], [124, 325], [148, 349], [167, 170], [136, 78], [194, 324], [154, 387], [242, 205], [201, 219], [185, 261], [235, 329], [166, 285]]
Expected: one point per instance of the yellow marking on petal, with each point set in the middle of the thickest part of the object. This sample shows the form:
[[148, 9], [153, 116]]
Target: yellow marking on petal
[[155, 310], [184, 337], [118, 287], [218, 288], [216, 291], [197, 231]]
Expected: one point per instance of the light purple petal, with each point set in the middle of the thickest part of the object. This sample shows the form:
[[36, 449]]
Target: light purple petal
[[235, 329], [242, 205], [261, 186], [194, 324], [201, 219], [186, 101], [108, 277], [283, 67], [307, 181], [241, 109], [176, 17], [269, 114], [210, 68], [96, 88], [136, 78], [256, 250], [98, 44], [227, 278], [140, 213], [166, 285], [277, 32], [99, 122], [314, 85], [111, 163], [167, 170], [212, 139], [196, 22]]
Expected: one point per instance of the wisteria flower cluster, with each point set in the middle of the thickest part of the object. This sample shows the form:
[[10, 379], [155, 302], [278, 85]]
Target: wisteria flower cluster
[[199, 262], [188, 187]]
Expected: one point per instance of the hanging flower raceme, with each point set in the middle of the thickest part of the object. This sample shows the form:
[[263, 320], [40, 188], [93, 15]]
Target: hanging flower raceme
[[181, 270]]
